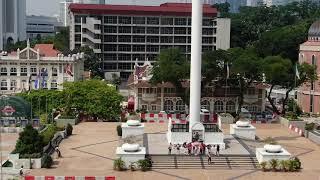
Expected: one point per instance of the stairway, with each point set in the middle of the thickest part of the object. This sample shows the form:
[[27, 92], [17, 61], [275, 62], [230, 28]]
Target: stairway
[[200, 162]]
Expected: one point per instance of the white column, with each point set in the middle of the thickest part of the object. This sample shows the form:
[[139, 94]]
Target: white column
[[195, 76]]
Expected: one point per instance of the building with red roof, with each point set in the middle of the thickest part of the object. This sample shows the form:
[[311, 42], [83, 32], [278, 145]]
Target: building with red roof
[[124, 34], [41, 67], [216, 98]]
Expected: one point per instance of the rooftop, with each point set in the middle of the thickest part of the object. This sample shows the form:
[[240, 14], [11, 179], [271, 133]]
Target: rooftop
[[166, 9]]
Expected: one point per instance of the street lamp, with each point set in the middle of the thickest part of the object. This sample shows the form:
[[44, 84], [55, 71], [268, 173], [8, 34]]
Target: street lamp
[[5, 98]]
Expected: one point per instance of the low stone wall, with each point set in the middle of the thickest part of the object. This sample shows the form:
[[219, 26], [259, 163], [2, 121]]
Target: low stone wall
[[65, 122], [314, 137], [11, 129], [34, 163], [298, 124]]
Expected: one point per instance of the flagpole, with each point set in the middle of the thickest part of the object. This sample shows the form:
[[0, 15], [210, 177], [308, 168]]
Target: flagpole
[[295, 84]]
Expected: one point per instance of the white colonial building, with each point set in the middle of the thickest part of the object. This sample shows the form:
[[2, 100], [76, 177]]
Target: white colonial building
[[41, 67]]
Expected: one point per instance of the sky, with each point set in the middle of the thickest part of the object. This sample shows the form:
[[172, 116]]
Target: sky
[[51, 7]]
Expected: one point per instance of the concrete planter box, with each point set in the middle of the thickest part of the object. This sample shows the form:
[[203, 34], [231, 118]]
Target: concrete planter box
[[65, 122], [132, 130], [263, 156], [225, 119], [17, 162], [214, 138], [131, 157], [298, 124], [243, 132], [314, 137]]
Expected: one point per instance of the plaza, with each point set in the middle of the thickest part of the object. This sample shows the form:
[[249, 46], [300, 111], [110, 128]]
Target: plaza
[[91, 151]]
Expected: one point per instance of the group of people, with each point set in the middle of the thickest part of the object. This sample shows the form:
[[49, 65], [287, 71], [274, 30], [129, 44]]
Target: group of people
[[195, 148]]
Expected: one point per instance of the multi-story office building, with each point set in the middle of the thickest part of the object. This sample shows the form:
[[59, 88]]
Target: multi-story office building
[[41, 67], [12, 21], [123, 35], [309, 93], [41, 26], [269, 3]]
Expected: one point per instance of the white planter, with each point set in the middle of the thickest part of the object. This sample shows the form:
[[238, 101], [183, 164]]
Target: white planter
[[133, 123], [246, 132], [130, 157], [130, 147], [132, 130], [272, 148], [243, 123], [264, 156]]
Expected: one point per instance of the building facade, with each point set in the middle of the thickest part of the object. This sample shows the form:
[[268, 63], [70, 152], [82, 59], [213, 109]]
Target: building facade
[[216, 98], [12, 21], [41, 26], [269, 3], [41, 67], [309, 93], [123, 34]]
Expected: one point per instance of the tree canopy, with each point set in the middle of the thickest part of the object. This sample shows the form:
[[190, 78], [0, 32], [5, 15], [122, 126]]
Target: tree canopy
[[29, 141]]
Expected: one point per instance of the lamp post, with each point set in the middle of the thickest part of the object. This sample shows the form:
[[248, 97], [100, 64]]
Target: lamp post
[[2, 97]]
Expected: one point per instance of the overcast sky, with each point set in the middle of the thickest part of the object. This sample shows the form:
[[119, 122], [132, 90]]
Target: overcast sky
[[51, 7]]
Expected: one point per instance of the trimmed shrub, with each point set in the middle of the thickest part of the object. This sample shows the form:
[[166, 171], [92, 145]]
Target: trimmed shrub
[[119, 130], [284, 165], [144, 164], [47, 161], [297, 163], [263, 165], [309, 126], [69, 129], [33, 156], [273, 163], [29, 141], [48, 134], [119, 164]]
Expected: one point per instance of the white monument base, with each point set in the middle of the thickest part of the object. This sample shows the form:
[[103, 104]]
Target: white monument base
[[132, 130], [243, 132], [130, 157], [213, 138], [264, 156]]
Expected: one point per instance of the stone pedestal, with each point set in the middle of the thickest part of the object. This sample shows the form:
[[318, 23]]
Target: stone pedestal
[[248, 132], [131, 157], [132, 130], [264, 156]]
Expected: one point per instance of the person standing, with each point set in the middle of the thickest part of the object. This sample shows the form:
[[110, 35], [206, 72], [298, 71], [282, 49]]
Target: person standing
[[209, 158], [21, 171], [170, 148], [218, 150]]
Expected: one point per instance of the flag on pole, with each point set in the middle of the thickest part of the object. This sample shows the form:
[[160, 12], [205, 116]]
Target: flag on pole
[[36, 82], [297, 72], [228, 71]]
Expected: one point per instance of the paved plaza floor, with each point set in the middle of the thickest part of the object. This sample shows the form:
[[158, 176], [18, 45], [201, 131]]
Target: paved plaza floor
[[91, 150]]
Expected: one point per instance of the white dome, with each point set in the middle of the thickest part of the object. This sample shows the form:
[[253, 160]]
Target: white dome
[[272, 148], [243, 123], [133, 123], [130, 147]]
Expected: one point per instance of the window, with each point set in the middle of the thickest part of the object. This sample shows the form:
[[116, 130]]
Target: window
[[180, 39], [153, 39], [180, 30], [139, 20], [231, 106], [168, 105], [153, 20], [152, 30], [124, 57], [169, 90], [124, 47], [144, 107], [180, 105], [110, 20], [166, 21], [110, 38], [124, 39], [180, 21], [152, 48], [110, 29], [165, 39], [124, 20], [205, 105], [300, 58], [207, 31], [139, 30], [124, 66], [54, 84], [124, 29], [153, 107], [207, 22], [207, 40], [23, 71], [138, 39], [54, 72], [314, 61], [252, 108], [4, 71], [110, 66], [77, 38], [311, 103], [33, 71], [218, 106], [3, 85], [167, 30], [138, 48], [13, 71], [13, 84]]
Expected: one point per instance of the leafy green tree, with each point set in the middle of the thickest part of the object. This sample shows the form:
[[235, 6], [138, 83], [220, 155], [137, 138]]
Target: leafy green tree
[[247, 68], [91, 61], [223, 8], [173, 67], [29, 141], [281, 72], [94, 97], [61, 40]]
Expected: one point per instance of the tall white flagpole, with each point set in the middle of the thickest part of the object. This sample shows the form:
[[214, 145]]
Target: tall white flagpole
[[195, 72]]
